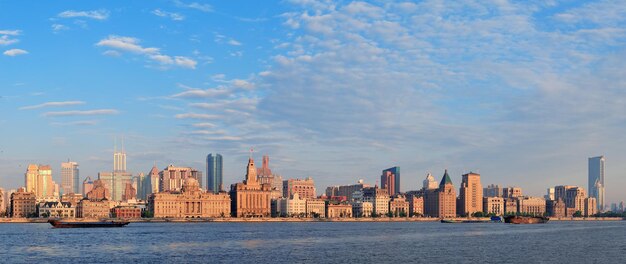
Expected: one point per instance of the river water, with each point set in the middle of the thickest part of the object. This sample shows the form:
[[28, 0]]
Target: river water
[[317, 242]]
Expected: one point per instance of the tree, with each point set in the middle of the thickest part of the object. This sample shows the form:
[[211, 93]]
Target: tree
[[578, 214]]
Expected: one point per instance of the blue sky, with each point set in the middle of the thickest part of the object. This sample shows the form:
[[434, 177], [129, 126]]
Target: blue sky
[[523, 93]]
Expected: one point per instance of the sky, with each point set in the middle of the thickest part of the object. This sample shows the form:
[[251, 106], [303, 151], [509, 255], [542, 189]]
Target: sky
[[521, 92]]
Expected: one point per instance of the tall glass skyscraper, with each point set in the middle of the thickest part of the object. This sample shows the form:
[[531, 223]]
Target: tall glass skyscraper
[[214, 172], [395, 173], [596, 180]]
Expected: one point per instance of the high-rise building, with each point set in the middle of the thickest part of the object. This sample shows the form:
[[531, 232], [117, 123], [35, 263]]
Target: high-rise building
[[150, 183], [346, 190], [429, 183], [250, 198], [214, 173], [492, 190], [390, 180], [596, 181], [119, 160], [69, 177], [305, 188], [550, 194], [470, 194], [172, 178], [116, 181], [511, 192], [38, 180]]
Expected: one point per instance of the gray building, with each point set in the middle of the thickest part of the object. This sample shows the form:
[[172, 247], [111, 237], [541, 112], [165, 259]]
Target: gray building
[[214, 172], [596, 181], [69, 177]]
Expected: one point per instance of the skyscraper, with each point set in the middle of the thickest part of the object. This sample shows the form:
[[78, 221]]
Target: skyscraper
[[38, 180], [116, 181], [390, 180], [471, 194], [429, 183], [596, 180], [69, 177], [214, 172]]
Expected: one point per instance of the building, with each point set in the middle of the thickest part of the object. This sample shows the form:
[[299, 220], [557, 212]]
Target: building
[[441, 202], [531, 205], [416, 205], [172, 178], [575, 198], [38, 180], [379, 199], [130, 193], [94, 209], [69, 177], [555, 208], [250, 198], [150, 183], [189, 202], [305, 188], [87, 185], [23, 203], [492, 190], [510, 205], [390, 180], [56, 210], [596, 180], [3, 203], [115, 182], [72, 198], [338, 211], [346, 190], [316, 208], [126, 212], [511, 192], [362, 208], [429, 183], [470, 194], [550, 194], [399, 206], [214, 171], [493, 205], [294, 206], [560, 192], [591, 206], [99, 191]]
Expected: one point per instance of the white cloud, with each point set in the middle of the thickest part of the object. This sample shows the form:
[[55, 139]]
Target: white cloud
[[170, 15], [234, 42], [201, 93], [15, 52], [10, 32], [101, 14], [59, 27], [112, 53], [131, 44], [81, 113], [194, 5], [196, 116], [52, 104]]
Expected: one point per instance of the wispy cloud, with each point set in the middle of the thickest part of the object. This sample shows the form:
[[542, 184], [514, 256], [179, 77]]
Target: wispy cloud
[[14, 52], [194, 5], [58, 27], [52, 104], [13, 32], [6, 36], [132, 45], [234, 42], [101, 14], [76, 123], [201, 93], [170, 15], [82, 113], [195, 116]]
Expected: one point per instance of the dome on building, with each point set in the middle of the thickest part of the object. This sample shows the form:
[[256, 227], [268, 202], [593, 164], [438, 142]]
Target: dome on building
[[191, 184]]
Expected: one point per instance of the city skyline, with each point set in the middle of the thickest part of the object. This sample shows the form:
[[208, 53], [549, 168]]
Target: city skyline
[[522, 94]]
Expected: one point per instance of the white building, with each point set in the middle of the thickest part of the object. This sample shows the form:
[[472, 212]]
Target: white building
[[292, 206]]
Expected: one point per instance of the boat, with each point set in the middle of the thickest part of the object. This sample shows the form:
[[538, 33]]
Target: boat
[[496, 219], [513, 219], [85, 224]]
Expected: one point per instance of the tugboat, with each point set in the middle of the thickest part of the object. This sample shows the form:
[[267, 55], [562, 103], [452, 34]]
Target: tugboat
[[513, 219], [87, 224]]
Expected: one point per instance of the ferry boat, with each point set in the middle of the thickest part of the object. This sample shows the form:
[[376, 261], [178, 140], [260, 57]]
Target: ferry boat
[[513, 219], [85, 224]]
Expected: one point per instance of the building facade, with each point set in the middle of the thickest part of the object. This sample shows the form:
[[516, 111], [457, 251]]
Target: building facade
[[94, 209], [38, 180], [172, 178], [87, 185], [23, 203], [69, 177], [399, 206], [390, 180], [555, 208], [416, 205], [316, 208], [214, 171], [339, 211], [531, 205], [379, 199], [492, 190], [441, 202], [470, 194], [250, 198], [190, 202], [429, 183], [493, 205], [346, 190], [511, 192], [99, 191], [596, 181], [305, 188], [56, 210]]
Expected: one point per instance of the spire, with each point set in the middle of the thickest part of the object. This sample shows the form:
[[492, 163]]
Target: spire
[[446, 179]]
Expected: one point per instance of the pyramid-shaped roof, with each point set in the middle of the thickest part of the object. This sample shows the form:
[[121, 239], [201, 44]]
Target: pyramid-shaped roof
[[446, 179]]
